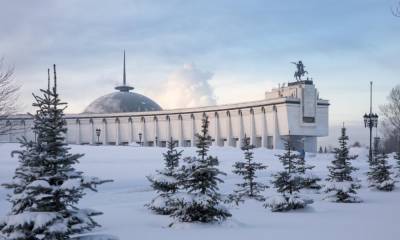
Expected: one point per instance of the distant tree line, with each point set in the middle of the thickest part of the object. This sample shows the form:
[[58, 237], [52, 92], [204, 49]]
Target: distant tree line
[[391, 121]]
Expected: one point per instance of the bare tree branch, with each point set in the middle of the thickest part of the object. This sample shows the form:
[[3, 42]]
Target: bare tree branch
[[391, 121], [396, 10], [8, 94]]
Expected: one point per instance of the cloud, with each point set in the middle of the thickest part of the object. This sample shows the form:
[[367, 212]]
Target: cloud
[[187, 87]]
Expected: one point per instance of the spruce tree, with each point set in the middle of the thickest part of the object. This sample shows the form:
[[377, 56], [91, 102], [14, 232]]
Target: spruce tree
[[288, 184], [200, 200], [379, 172], [46, 187], [320, 150], [341, 186], [249, 188], [397, 158], [166, 181], [308, 180]]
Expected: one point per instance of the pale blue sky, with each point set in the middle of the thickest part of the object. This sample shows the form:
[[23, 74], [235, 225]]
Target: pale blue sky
[[247, 46]]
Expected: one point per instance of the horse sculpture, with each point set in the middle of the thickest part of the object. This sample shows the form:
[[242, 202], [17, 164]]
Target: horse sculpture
[[300, 70]]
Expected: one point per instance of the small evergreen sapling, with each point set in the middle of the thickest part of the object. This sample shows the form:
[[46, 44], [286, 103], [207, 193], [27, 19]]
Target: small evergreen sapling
[[46, 187], [288, 184], [249, 188], [166, 182], [379, 173], [308, 180], [200, 200], [341, 186], [320, 150]]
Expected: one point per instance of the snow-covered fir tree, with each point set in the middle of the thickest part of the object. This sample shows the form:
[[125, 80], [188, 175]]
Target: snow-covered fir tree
[[379, 172], [307, 178], [320, 150], [247, 169], [341, 185], [46, 187], [397, 158], [288, 184], [200, 200], [166, 181]]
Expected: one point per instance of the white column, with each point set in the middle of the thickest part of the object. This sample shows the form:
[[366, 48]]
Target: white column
[[168, 128], [104, 132], [241, 130], [92, 132], [131, 131], [252, 128], [9, 132], [180, 137], [24, 130], [217, 137], [229, 138], [78, 131], [193, 133], [277, 138], [66, 134], [117, 132], [264, 134], [144, 137], [155, 132]]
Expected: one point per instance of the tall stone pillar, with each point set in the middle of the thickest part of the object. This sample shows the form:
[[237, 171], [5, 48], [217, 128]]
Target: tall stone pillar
[[144, 136], [131, 130], [193, 133], [241, 130], [92, 132], [117, 132], [155, 132], [217, 137], [104, 132], [24, 128], [180, 132], [277, 137], [168, 119], [9, 129], [264, 133], [252, 128], [66, 134], [78, 131], [229, 137]]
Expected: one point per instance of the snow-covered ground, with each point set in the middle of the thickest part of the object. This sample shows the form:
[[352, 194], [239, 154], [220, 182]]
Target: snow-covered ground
[[122, 201]]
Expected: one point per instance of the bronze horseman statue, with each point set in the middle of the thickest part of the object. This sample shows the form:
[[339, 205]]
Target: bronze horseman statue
[[300, 70]]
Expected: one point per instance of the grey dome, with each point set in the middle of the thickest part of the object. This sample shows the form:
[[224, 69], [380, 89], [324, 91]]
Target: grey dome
[[123, 101]]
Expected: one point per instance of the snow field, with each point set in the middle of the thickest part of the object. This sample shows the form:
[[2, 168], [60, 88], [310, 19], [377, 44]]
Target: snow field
[[125, 216]]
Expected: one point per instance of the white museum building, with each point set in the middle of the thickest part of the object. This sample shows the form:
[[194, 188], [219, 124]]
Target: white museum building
[[125, 117]]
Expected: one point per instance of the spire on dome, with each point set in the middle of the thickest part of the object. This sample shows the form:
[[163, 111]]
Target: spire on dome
[[124, 87], [124, 80]]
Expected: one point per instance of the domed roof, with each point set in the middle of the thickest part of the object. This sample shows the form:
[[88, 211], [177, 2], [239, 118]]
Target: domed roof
[[118, 102], [122, 101]]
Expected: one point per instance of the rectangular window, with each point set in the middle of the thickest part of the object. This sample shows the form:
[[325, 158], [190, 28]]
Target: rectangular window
[[309, 119]]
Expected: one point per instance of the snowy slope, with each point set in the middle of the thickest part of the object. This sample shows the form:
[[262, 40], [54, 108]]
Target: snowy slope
[[124, 216]]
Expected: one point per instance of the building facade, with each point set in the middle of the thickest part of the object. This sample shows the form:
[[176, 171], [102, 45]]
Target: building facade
[[294, 110]]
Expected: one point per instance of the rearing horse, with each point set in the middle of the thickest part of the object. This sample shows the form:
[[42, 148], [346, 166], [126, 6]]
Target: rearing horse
[[297, 75], [300, 70]]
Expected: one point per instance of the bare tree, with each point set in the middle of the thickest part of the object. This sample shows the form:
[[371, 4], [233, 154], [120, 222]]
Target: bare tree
[[396, 10], [391, 122], [8, 93]]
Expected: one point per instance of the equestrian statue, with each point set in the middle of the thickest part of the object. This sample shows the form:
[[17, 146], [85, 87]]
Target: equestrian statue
[[300, 70]]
